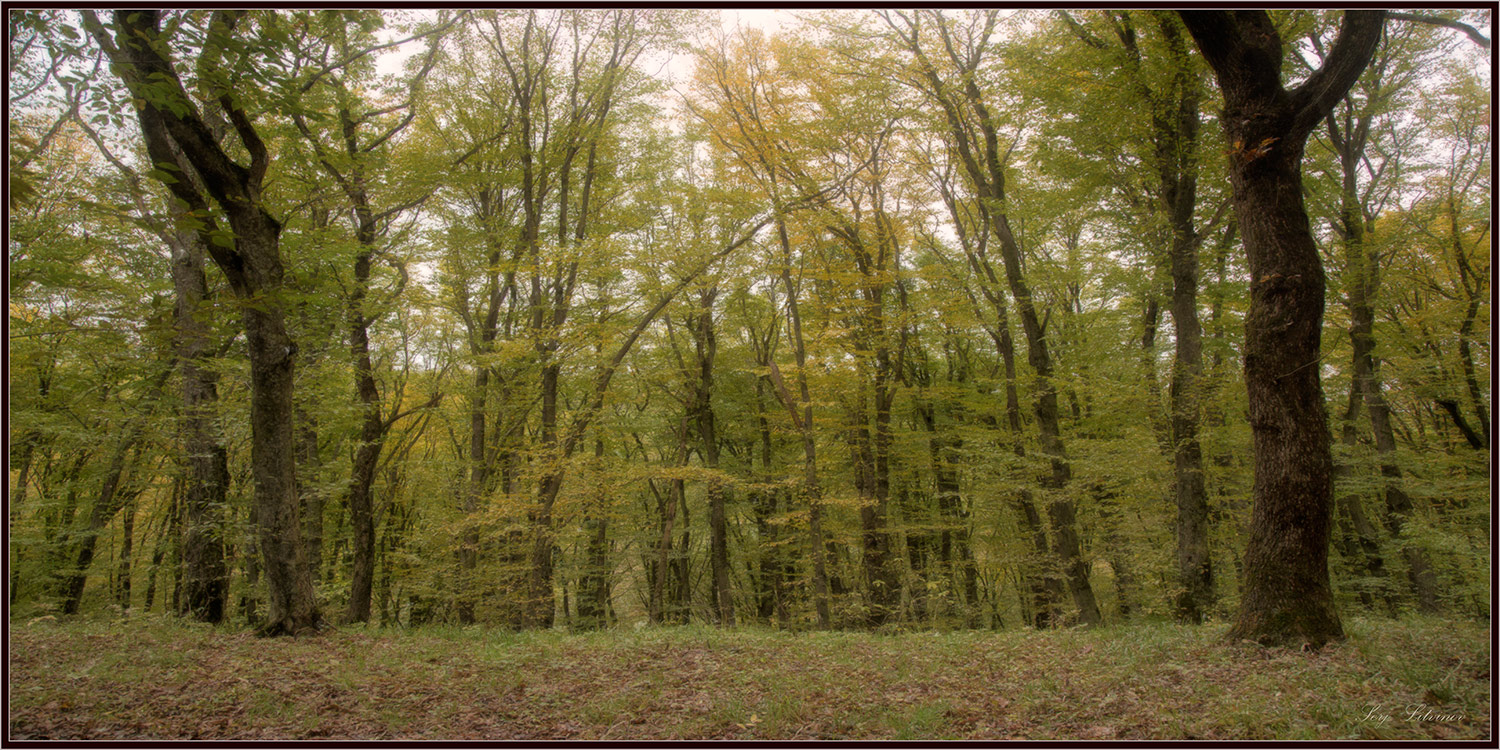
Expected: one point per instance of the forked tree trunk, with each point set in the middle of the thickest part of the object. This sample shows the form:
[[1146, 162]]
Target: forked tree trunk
[[254, 269], [1286, 595]]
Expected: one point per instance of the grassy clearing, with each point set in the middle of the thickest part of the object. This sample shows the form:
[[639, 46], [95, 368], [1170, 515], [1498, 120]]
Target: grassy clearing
[[162, 679]]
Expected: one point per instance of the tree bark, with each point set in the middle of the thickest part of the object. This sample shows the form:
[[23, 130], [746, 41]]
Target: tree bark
[[1286, 594], [202, 556], [373, 426]]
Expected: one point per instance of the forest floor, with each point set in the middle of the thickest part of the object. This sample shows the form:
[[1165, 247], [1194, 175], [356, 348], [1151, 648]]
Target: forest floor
[[152, 678]]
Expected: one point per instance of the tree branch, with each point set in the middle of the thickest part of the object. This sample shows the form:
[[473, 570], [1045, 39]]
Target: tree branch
[[1449, 23], [1351, 52]]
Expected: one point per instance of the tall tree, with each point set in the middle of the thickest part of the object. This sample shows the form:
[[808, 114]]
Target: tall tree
[[170, 117], [360, 135], [1286, 596]]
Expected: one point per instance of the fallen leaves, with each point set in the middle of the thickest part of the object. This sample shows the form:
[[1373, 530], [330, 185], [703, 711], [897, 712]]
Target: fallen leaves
[[164, 681]]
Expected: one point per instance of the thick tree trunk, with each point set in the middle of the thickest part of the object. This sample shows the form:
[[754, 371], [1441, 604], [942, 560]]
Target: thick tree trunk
[[291, 604], [204, 570], [254, 270], [1286, 595]]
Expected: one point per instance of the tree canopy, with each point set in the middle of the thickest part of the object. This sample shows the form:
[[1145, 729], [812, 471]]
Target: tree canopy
[[884, 319]]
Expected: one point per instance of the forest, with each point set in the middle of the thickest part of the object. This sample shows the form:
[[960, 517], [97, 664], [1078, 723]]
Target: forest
[[885, 321]]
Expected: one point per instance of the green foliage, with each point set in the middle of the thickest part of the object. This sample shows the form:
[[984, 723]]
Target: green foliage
[[822, 127]]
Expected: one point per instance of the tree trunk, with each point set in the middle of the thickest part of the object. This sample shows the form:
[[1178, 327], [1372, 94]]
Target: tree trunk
[[291, 605], [681, 607], [17, 501], [1160, 425], [254, 269], [159, 549], [771, 595], [127, 543], [111, 498], [1365, 542], [541, 598], [811, 490], [1177, 165], [1286, 595], [372, 427], [204, 570], [661, 567], [593, 586], [705, 346], [1046, 588]]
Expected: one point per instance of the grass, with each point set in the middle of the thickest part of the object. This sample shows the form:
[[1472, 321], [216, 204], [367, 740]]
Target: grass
[[153, 678]]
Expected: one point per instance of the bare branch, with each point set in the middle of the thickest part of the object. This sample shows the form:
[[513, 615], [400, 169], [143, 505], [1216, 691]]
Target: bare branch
[[1449, 23]]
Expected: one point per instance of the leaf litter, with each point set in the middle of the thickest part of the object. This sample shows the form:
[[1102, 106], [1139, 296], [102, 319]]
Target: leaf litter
[[78, 679]]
